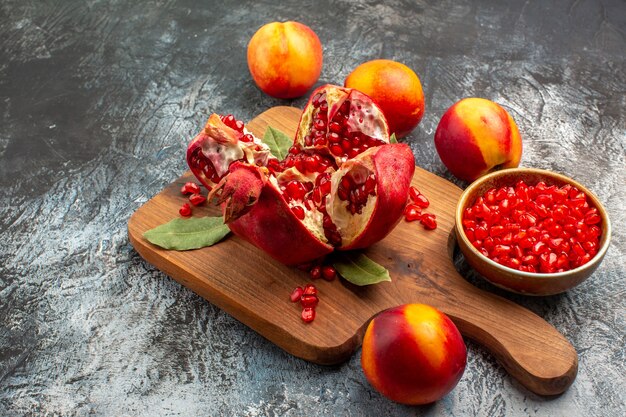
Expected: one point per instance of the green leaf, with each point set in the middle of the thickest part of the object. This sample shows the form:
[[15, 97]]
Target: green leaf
[[393, 139], [185, 234], [358, 269], [278, 142]]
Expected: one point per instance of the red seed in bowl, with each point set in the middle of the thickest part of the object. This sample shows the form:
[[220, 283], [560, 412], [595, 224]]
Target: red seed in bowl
[[534, 228]]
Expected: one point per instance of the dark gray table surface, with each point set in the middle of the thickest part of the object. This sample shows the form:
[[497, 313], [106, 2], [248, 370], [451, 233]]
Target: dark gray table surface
[[98, 100]]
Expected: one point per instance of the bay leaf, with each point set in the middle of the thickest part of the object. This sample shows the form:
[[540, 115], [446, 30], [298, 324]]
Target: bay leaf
[[186, 234], [278, 142], [358, 269]]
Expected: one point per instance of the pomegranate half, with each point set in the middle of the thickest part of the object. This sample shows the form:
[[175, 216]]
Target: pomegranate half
[[342, 185]]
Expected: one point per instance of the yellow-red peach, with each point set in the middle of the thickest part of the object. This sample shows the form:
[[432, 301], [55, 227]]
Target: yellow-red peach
[[395, 88], [413, 354], [285, 59], [476, 136]]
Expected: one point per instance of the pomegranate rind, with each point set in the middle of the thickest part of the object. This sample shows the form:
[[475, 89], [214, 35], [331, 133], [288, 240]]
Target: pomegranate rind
[[239, 191], [394, 166], [271, 226]]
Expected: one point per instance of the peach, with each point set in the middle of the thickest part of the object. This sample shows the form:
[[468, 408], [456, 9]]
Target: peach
[[395, 88], [413, 354], [285, 59], [476, 136]]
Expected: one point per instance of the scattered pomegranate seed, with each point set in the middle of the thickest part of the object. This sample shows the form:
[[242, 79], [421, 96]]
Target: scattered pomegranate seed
[[197, 199], [329, 272], [536, 228], [316, 272], [308, 314], [185, 210], [412, 212], [428, 221], [308, 300], [190, 188], [296, 294], [310, 289], [422, 201]]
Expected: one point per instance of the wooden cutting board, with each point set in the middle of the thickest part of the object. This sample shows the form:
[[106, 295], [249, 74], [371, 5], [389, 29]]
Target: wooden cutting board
[[254, 288]]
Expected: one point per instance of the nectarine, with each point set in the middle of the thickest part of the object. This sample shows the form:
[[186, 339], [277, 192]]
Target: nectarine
[[476, 136], [285, 59], [395, 88], [413, 354]]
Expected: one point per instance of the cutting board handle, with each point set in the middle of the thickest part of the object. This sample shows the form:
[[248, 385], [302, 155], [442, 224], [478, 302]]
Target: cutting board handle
[[528, 347]]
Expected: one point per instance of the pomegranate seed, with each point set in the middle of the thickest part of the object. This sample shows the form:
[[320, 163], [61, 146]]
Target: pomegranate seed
[[185, 210], [308, 314], [335, 127], [298, 211], [316, 272], [308, 300], [422, 201], [295, 190], [310, 289], [541, 228], [336, 149], [296, 294], [412, 212], [197, 199], [329, 273], [247, 138], [190, 188], [428, 221]]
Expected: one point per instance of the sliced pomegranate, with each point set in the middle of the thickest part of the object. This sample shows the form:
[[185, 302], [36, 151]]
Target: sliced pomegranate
[[341, 186]]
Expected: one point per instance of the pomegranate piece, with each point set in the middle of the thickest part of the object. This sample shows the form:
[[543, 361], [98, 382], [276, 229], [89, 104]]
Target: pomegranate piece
[[308, 300], [197, 199], [329, 272], [310, 289], [428, 221], [296, 294], [341, 186], [412, 212], [308, 314], [190, 188], [185, 210], [541, 228], [421, 201], [316, 272]]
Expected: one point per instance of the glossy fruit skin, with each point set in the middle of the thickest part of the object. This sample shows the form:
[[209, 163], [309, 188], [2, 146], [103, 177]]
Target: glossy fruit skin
[[285, 59], [395, 88], [413, 354], [476, 136]]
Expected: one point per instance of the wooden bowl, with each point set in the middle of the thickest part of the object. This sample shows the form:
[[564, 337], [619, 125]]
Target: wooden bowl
[[518, 281]]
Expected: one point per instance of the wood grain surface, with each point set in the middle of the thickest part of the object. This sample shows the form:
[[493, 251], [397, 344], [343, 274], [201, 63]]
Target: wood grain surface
[[246, 283]]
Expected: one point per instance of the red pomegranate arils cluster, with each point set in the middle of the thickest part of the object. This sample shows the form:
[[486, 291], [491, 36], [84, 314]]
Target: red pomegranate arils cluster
[[538, 228], [195, 198], [413, 210], [336, 133], [308, 299]]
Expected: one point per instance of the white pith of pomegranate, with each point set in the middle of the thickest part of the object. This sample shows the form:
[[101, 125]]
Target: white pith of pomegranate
[[342, 185]]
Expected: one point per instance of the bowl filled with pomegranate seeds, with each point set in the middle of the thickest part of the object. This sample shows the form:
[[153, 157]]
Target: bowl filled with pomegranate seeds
[[532, 231]]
